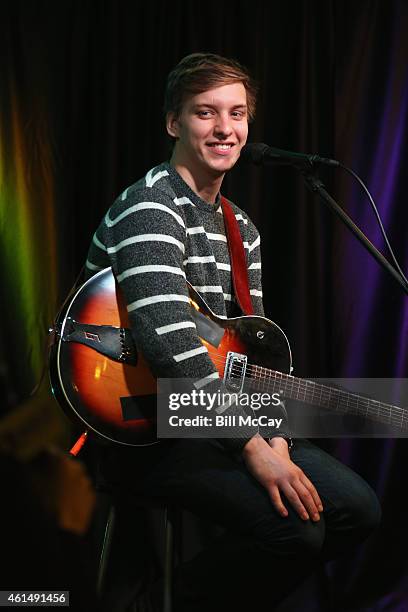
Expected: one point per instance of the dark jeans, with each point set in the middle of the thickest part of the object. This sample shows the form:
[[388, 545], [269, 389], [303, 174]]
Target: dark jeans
[[261, 556]]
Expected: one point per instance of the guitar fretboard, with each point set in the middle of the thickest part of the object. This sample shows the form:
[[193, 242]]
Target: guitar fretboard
[[334, 399]]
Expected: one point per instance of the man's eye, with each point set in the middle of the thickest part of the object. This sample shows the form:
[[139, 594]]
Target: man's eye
[[204, 113]]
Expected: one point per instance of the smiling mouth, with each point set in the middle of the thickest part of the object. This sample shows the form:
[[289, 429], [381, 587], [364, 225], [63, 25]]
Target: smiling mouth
[[220, 146]]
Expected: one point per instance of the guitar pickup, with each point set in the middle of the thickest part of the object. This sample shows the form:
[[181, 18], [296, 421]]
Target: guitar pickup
[[234, 374]]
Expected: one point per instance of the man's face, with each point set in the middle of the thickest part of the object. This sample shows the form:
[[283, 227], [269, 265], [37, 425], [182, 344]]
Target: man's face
[[211, 130]]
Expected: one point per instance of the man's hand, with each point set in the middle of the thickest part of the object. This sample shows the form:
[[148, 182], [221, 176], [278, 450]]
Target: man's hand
[[271, 465]]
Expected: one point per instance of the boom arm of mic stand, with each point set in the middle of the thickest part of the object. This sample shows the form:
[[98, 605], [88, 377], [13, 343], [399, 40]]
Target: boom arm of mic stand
[[317, 186]]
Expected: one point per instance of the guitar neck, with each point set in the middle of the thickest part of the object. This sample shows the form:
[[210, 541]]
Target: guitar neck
[[336, 400]]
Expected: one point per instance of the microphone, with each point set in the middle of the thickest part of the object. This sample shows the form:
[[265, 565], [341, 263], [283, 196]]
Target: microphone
[[260, 153]]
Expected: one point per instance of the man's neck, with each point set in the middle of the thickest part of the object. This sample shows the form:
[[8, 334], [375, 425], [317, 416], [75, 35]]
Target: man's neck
[[207, 188]]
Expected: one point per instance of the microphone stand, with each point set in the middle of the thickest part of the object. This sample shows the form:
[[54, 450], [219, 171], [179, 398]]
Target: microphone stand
[[314, 183]]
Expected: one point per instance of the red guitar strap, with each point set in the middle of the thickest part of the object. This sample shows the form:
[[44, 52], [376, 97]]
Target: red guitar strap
[[238, 260]]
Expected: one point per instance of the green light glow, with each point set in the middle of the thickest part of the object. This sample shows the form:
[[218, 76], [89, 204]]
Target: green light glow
[[27, 226]]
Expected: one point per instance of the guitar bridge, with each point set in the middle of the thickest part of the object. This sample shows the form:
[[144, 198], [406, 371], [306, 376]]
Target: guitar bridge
[[234, 374]]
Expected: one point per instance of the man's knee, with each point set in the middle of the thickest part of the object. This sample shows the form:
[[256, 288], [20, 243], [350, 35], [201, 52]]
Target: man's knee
[[366, 510], [297, 538], [358, 515]]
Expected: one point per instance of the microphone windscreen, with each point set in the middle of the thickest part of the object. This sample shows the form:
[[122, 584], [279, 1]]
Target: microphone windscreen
[[254, 152]]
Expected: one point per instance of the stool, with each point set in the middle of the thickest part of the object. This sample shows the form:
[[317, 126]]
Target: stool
[[172, 544]]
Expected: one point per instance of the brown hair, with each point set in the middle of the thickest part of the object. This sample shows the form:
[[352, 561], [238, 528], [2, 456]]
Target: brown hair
[[199, 72]]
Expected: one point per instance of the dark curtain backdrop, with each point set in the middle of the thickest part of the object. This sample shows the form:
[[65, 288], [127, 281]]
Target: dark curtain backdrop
[[81, 88]]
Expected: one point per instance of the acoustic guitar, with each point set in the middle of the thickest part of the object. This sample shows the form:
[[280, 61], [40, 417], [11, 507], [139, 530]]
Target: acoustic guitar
[[103, 382]]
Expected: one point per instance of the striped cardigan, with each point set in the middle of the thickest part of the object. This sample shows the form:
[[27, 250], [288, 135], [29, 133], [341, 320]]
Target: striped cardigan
[[157, 234]]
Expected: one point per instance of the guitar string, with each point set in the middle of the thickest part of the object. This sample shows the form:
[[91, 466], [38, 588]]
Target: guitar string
[[304, 385], [261, 374], [346, 402], [265, 374], [361, 405]]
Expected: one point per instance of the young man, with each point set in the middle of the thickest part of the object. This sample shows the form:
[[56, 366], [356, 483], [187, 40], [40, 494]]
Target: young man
[[283, 511]]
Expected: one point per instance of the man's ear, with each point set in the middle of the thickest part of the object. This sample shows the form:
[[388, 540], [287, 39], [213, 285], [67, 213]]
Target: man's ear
[[172, 125]]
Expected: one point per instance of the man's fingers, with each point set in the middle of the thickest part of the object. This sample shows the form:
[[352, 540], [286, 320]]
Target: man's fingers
[[293, 497], [302, 496], [277, 501], [278, 474], [313, 491], [307, 500]]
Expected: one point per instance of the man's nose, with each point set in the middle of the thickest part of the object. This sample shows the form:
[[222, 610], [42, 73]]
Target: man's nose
[[223, 124]]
